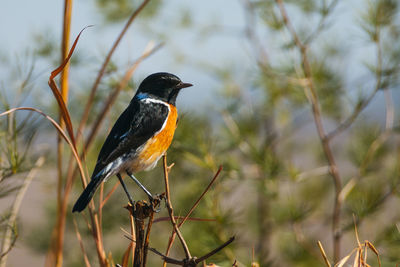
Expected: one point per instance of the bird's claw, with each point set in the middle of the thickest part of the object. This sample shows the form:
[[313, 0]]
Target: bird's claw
[[155, 202]]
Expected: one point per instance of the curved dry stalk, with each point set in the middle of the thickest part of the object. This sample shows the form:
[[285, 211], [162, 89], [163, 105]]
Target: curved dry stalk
[[57, 95]]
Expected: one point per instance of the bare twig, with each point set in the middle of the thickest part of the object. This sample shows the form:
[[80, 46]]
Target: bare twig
[[171, 211], [147, 238], [193, 261], [201, 196], [354, 115], [140, 236], [180, 218], [133, 234], [166, 258], [209, 254], [324, 254]]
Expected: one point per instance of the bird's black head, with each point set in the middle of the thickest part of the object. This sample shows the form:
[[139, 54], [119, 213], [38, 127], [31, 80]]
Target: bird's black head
[[161, 85]]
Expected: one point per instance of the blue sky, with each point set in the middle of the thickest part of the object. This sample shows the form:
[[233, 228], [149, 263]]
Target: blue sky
[[20, 20]]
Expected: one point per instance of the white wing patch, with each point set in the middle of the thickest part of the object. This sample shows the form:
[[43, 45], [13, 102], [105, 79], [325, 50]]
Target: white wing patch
[[112, 168]]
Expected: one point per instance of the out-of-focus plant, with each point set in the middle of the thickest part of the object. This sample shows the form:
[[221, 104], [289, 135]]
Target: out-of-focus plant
[[302, 78], [17, 134]]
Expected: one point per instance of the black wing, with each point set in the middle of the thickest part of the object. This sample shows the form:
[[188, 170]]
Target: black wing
[[139, 122]]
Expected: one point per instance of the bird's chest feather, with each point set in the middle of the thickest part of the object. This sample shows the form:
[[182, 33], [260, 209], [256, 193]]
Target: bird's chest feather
[[156, 146]]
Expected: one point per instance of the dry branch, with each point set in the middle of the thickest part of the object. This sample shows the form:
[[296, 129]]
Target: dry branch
[[171, 211]]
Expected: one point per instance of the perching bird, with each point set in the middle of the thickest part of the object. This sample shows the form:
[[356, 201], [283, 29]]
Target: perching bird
[[141, 135]]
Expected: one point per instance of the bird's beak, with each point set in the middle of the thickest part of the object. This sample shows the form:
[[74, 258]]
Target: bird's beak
[[183, 85]]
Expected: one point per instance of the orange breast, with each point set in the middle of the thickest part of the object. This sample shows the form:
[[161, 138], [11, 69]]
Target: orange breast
[[158, 144]]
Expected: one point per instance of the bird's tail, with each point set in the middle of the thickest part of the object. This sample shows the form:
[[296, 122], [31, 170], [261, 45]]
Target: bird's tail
[[87, 194]]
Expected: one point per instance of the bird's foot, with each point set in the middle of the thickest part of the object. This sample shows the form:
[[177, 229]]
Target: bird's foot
[[155, 202]]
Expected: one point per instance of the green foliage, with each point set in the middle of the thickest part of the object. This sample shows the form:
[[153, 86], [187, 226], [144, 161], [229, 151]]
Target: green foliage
[[389, 239], [307, 6], [368, 151], [366, 197], [330, 88], [380, 13], [295, 254], [17, 134]]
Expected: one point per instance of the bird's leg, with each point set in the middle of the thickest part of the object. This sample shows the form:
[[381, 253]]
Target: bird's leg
[[141, 186], [154, 202], [126, 190]]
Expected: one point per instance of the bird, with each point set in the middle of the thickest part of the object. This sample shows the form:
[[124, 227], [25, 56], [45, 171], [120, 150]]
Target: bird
[[140, 136]]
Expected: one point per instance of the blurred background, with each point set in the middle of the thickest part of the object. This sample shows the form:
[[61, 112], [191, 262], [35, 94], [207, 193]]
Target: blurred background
[[298, 101]]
